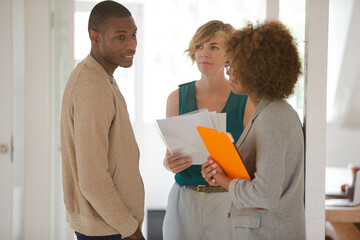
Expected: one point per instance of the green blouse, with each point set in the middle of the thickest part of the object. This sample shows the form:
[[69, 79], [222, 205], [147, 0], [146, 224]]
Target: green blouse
[[234, 109]]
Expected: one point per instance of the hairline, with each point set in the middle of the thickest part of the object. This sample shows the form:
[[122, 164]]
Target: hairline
[[102, 27]]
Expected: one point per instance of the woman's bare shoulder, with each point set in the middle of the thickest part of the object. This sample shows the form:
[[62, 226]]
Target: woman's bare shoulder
[[172, 105]]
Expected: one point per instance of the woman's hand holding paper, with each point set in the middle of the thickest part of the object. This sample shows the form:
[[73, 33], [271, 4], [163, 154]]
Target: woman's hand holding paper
[[176, 162]]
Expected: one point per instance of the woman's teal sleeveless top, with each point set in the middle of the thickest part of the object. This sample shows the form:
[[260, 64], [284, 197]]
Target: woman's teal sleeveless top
[[234, 109]]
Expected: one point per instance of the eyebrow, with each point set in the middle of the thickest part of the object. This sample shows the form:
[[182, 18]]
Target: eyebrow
[[123, 31], [213, 43]]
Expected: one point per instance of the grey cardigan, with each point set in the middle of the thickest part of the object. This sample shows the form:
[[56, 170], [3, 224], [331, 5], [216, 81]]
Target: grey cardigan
[[271, 206]]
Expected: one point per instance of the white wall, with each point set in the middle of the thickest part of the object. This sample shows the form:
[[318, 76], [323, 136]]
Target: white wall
[[342, 145], [339, 21], [346, 107], [343, 127], [157, 179], [37, 131]]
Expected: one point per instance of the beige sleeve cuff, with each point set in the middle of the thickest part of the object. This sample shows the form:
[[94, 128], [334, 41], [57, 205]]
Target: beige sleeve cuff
[[128, 228]]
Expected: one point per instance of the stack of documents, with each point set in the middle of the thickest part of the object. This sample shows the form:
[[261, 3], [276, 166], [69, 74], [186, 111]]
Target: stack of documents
[[180, 135]]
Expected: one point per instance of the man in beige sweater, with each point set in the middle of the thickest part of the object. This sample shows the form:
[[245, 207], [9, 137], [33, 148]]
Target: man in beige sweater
[[103, 189]]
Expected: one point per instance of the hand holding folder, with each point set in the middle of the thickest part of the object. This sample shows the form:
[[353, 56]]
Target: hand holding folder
[[222, 149]]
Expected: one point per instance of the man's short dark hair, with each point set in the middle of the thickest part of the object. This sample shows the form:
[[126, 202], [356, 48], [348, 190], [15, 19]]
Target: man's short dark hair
[[102, 11]]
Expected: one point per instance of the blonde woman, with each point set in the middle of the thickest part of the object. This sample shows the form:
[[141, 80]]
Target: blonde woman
[[195, 212]]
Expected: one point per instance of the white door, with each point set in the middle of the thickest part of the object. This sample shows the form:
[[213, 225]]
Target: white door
[[6, 186]]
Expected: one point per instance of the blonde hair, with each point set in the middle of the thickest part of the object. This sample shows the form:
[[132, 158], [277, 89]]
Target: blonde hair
[[206, 32]]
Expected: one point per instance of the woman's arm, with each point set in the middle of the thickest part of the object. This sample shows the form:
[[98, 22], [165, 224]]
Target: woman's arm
[[174, 162], [172, 104], [278, 144], [277, 139]]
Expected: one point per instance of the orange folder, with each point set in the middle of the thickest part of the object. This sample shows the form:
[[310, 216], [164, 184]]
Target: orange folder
[[223, 150]]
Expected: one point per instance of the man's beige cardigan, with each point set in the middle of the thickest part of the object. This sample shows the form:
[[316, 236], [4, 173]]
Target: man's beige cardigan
[[103, 189]]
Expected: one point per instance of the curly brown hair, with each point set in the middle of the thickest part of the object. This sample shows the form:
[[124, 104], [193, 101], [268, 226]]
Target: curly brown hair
[[205, 32], [264, 60]]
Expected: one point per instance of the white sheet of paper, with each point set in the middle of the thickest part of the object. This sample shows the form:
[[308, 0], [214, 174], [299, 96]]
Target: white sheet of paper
[[222, 122], [180, 135]]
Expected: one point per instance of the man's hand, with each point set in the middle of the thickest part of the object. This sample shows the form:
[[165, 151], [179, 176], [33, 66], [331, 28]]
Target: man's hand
[[137, 234]]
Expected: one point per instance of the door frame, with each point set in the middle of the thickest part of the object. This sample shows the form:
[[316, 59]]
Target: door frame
[[6, 80]]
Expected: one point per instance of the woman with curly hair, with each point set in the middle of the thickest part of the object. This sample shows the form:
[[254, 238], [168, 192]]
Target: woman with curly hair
[[265, 65]]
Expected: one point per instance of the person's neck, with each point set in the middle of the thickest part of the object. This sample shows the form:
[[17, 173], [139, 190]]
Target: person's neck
[[214, 83], [107, 67], [254, 100]]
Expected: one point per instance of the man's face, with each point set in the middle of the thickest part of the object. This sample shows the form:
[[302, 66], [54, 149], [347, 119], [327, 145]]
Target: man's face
[[118, 42]]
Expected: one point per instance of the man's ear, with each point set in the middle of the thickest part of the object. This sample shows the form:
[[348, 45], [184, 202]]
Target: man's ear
[[94, 37]]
